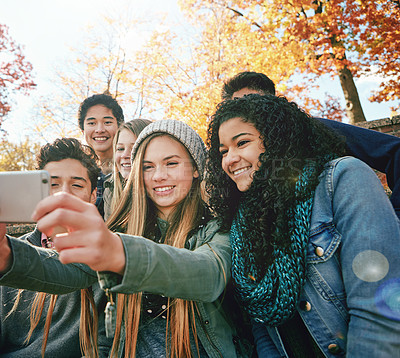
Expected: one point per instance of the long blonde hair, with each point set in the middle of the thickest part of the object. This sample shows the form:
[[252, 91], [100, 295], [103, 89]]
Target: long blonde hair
[[135, 126], [136, 215]]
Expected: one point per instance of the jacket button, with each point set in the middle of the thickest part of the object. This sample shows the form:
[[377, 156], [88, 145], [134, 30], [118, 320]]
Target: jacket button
[[319, 251], [305, 306], [334, 348], [206, 322]]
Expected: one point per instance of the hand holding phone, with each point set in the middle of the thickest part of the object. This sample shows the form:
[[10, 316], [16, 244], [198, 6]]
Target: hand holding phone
[[20, 192]]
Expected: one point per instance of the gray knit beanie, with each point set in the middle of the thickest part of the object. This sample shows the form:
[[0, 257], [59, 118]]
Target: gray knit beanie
[[183, 133]]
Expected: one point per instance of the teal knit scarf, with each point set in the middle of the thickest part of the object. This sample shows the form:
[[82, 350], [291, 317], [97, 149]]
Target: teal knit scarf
[[273, 299]]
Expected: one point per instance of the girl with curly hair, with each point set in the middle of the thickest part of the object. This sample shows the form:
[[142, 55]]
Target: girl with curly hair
[[315, 239]]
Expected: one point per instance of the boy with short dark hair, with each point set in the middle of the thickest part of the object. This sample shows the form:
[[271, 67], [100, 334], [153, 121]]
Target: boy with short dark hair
[[72, 168], [99, 117]]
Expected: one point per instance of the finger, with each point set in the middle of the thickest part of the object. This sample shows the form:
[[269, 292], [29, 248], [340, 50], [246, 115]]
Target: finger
[[2, 230], [79, 238], [103, 252], [77, 255], [58, 200], [5, 250], [70, 220]]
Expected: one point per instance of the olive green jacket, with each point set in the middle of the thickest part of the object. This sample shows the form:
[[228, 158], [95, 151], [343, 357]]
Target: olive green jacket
[[199, 272]]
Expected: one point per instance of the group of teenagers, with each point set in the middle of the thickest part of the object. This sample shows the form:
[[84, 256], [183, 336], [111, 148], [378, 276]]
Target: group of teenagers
[[275, 240]]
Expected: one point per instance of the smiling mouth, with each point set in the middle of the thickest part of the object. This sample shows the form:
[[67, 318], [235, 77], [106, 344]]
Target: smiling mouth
[[100, 139], [239, 171], [126, 165], [164, 188]]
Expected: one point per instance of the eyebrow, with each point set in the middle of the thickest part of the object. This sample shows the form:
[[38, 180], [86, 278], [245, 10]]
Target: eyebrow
[[237, 136], [105, 117], [166, 158], [75, 178]]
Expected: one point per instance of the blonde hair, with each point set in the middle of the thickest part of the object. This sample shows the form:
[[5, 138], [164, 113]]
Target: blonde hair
[[137, 215], [135, 126]]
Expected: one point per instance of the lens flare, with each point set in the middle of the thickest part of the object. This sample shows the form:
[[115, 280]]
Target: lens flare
[[370, 266], [387, 299]]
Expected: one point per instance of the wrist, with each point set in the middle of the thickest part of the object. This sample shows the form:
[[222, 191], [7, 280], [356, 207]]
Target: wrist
[[119, 256]]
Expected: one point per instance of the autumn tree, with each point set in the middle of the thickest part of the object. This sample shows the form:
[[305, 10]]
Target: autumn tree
[[329, 37], [185, 68], [15, 71], [20, 156], [177, 71], [102, 63]]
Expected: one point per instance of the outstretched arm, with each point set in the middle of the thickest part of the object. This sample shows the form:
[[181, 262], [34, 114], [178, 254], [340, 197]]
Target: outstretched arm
[[23, 265], [143, 264]]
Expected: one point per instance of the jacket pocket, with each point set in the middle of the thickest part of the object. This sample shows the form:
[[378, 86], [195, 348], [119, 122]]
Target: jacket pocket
[[324, 240], [324, 273]]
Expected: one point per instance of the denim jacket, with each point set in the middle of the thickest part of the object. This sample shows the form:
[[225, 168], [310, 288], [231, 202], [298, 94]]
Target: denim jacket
[[350, 301], [200, 273]]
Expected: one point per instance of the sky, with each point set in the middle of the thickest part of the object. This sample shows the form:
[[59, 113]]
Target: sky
[[47, 29]]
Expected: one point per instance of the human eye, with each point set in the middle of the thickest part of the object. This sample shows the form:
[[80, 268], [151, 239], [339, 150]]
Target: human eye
[[172, 163], [90, 123], [109, 122], [242, 142], [146, 167], [120, 149], [223, 152]]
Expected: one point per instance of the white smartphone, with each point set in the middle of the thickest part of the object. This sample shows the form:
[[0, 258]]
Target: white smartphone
[[20, 192]]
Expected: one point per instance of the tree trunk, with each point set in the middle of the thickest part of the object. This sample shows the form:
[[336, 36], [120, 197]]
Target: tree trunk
[[354, 110]]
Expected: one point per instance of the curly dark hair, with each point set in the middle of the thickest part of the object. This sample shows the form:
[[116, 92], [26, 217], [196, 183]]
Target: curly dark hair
[[253, 80], [104, 99], [70, 148], [292, 139]]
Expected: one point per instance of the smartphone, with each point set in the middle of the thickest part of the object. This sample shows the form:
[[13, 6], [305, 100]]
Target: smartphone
[[20, 192]]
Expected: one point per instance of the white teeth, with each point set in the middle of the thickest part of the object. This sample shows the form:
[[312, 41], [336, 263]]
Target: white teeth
[[125, 165], [165, 188], [100, 139], [240, 171]]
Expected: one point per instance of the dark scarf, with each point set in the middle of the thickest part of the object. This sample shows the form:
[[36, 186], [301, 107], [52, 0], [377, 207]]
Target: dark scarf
[[273, 299]]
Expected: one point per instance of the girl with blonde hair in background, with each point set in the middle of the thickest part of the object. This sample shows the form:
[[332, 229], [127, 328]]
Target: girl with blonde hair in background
[[123, 142]]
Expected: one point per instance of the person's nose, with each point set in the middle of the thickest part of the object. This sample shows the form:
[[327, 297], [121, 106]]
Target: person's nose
[[231, 157], [66, 188], [160, 173], [127, 153], [99, 127]]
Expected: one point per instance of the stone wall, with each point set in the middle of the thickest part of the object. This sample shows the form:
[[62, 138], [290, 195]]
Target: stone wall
[[388, 126], [385, 125], [18, 230]]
